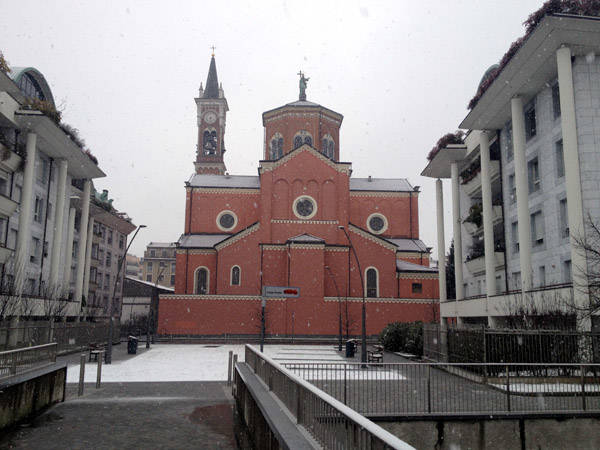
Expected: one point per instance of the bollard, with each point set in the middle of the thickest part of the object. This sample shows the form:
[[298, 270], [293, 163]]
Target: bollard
[[229, 368], [81, 374], [99, 371], [233, 367]]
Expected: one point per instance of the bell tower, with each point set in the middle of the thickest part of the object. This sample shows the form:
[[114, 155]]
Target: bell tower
[[211, 113]]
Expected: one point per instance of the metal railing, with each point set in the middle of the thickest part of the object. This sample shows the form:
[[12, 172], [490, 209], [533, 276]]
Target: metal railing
[[14, 362], [437, 388], [331, 424]]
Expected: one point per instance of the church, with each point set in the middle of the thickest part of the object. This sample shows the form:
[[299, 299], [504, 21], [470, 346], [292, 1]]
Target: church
[[302, 221]]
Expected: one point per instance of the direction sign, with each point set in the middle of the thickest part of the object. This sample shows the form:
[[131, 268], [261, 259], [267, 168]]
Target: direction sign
[[281, 292]]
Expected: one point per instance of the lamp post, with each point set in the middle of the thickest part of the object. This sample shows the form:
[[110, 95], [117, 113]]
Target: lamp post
[[112, 298], [339, 306], [150, 318], [363, 356]]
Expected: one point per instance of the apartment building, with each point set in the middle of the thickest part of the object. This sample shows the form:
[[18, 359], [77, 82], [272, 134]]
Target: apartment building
[[526, 178], [159, 263]]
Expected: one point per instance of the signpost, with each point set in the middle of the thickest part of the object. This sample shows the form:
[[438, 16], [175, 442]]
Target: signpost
[[274, 292]]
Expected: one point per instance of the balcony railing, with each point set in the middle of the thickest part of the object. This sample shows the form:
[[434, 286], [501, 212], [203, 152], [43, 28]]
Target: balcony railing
[[13, 362]]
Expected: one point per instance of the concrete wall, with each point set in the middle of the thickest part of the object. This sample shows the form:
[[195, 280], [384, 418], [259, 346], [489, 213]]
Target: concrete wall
[[571, 433], [29, 394]]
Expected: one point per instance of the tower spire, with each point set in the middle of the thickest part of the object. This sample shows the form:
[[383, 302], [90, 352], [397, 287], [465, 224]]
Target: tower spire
[[212, 81]]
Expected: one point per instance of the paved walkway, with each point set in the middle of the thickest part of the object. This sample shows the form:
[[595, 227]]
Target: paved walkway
[[166, 415]]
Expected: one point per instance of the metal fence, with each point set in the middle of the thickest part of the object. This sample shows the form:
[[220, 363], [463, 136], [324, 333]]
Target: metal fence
[[332, 424], [437, 388], [67, 335], [13, 362], [485, 345]]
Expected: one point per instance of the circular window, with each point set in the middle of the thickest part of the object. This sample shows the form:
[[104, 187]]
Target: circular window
[[226, 220], [377, 223], [305, 207]]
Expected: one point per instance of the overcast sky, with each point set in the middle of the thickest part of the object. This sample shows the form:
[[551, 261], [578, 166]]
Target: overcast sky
[[126, 74]]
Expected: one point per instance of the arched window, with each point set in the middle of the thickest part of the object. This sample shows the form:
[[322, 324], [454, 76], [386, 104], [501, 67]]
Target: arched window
[[331, 150], [209, 142], [201, 281], [327, 147], [308, 140], [280, 147], [297, 141], [276, 147], [235, 276], [372, 282]]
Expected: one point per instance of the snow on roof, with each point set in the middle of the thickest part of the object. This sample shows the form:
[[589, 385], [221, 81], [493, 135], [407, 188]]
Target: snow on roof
[[306, 238], [404, 266], [409, 245], [380, 184], [161, 244], [201, 240], [225, 181], [147, 283]]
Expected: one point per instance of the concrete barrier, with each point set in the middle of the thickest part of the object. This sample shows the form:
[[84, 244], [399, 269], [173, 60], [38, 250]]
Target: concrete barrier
[[26, 395]]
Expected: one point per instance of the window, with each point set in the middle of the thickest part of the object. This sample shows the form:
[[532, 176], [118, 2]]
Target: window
[[42, 172], [17, 193], [78, 221], [537, 228], [560, 158], [209, 142], [106, 281], [564, 218], [4, 183], [372, 282], [108, 259], [302, 137], [515, 236], [172, 280], [516, 278], [164, 253], [12, 238], [149, 266], [509, 143], [276, 150], [103, 232], [35, 250], [530, 122], [93, 274], [161, 278], [533, 171], [308, 140], [226, 220], [149, 277], [152, 253], [94, 251], [556, 100], [567, 271], [377, 223], [38, 209], [110, 237], [201, 281], [161, 264], [512, 190], [417, 288], [100, 256], [499, 284], [235, 276], [305, 207], [74, 252], [172, 267], [542, 276], [297, 141], [121, 241]]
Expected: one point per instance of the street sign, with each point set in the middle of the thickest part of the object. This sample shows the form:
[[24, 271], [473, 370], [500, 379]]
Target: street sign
[[281, 292]]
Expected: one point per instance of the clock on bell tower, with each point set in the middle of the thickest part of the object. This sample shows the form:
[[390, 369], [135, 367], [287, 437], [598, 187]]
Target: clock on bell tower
[[212, 112]]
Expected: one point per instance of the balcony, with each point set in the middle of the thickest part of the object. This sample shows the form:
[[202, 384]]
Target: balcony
[[9, 160], [5, 254], [7, 206], [472, 181], [474, 229], [8, 107], [477, 265]]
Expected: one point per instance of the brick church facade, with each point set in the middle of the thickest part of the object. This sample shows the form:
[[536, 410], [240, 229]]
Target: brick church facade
[[293, 224]]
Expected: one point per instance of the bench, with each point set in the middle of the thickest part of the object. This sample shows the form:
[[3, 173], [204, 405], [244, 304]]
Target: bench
[[375, 354], [95, 350]]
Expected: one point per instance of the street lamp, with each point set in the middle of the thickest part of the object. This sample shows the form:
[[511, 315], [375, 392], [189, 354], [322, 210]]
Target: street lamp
[[339, 305], [150, 318], [112, 299], [363, 356]]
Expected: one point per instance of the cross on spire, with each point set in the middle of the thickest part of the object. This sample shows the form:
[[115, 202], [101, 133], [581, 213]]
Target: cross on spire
[[213, 50]]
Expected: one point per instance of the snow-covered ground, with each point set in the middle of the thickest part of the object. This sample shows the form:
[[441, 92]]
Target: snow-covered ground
[[547, 388], [198, 362]]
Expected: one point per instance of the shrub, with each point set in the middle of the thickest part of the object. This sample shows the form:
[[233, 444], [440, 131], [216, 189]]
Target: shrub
[[403, 337], [4, 65]]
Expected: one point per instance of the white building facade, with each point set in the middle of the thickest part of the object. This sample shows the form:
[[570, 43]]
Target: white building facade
[[526, 181]]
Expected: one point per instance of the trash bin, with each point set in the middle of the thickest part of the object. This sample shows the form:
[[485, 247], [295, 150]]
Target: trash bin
[[132, 345], [350, 349]]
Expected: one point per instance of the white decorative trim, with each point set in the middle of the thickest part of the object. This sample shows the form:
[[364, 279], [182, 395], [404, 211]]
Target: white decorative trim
[[206, 251], [416, 276], [357, 193], [275, 247], [267, 166], [295, 204], [336, 249], [320, 222], [385, 223], [224, 190], [382, 300], [222, 213], [196, 279], [370, 237], [308, 246], [401, 254], [214, 297], [236, 237]]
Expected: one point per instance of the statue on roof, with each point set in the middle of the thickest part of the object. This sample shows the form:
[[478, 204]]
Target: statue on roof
[[303, 84]]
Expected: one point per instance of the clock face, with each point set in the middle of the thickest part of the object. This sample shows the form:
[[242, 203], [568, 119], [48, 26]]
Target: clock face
[[210, 117]]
